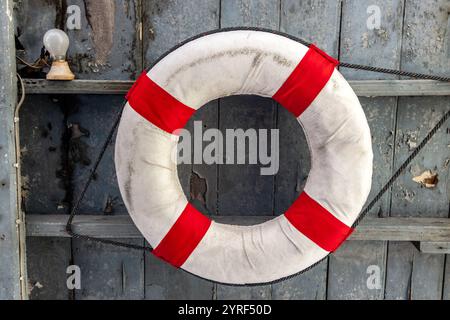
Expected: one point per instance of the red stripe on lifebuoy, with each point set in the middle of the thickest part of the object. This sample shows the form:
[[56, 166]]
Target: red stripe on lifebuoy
[[183, 237], [156, 105], [316, 223], [306, 81]]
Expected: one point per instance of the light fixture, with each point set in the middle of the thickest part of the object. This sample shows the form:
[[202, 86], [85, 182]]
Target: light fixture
[[57, 42]]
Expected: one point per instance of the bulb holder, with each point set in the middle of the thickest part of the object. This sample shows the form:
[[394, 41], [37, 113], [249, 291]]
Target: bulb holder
[[60, 71]]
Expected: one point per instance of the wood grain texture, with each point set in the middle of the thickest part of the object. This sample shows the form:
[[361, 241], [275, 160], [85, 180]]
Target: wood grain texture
[[183, 285], [435, 247], [48, 259], [10, 262], [121, 226], [109, 272], [108, 44], [45, 179], [348, 266], [362, 88], [106, 47], [423, 50]]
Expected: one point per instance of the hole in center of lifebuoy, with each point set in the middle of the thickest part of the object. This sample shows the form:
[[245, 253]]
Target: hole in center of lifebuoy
[[243, 156]]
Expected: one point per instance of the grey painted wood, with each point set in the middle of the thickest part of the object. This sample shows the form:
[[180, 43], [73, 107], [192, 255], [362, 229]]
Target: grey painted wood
[[307, 286], [202, 178], [435, 247], [165, 24], [48, 260], [241, 188], [446, 284], [32, 20], [358, 44], [109, 272], [318, 22], [44, 174], [183, 285], [89, 122], [423, 50], [45, 188], [10, 287], [250, 13], [350, 268], [108, 46], [45, 180], [224, 292], [121, 226], [399, 271], [362, 88]]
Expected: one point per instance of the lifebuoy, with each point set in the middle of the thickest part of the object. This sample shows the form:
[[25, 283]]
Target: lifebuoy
[[302, 79]]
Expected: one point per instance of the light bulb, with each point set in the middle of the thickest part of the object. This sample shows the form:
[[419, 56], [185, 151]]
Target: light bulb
[[56, 42]]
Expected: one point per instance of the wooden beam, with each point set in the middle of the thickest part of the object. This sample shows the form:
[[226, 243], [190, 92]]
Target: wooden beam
[[393, 229], [363, 88], [435, 247], [12, 277]]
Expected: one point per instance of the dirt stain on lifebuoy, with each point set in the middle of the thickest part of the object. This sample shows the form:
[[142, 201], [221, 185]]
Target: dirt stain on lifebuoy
[[128, 189], [258, 57]]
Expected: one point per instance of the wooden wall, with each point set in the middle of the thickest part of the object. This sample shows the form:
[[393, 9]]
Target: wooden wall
[[61, 136]]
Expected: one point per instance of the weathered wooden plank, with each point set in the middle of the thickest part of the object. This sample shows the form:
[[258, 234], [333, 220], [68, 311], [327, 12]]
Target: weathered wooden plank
[[362, 88], [202, 178], [350, 268], [435, 247], [44, 174], [10, 273], [423, 50], [241, 188], [359, 44], [89, 123], [48, 259], [121, 226], [165, 24], [32, 20], [307, 286], [446, 284], [249, 13], [224, 292], [108, 46], [109, 272], [183, 285], [316, 21], [399, 270]]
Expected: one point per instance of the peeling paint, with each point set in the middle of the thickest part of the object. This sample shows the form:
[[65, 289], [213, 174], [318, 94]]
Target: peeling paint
[[428, 179], [101, 17]]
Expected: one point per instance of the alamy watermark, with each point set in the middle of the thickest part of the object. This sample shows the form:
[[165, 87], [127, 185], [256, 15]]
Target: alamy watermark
[[238, 146]]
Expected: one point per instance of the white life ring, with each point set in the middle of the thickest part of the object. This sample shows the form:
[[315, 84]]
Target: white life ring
[[233, 62]]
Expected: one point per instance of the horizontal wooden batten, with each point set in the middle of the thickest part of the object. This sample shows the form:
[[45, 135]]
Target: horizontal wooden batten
[[363, 88], [121, 226]]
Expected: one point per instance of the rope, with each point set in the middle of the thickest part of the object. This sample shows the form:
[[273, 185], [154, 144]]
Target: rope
[[396, 72], [363, 213]]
